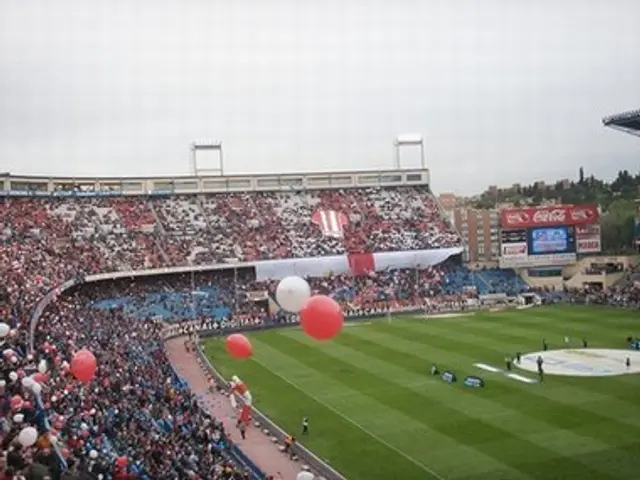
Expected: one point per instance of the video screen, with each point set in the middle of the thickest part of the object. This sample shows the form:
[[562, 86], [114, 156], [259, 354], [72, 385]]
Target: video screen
[[551, 240]]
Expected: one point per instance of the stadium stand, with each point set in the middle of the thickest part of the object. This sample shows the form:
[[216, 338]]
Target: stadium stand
[[48, 240], [155, 425]]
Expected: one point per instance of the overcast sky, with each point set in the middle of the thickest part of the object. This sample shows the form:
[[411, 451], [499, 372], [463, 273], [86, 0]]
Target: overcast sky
[[503, 91]]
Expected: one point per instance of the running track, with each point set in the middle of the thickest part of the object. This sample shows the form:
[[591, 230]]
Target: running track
[[257, 446]]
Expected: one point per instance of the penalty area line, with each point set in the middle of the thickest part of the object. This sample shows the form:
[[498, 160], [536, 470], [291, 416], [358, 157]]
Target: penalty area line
[[354, 423]]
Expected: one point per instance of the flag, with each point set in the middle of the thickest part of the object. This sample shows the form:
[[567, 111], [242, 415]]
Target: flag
[[331, 223]]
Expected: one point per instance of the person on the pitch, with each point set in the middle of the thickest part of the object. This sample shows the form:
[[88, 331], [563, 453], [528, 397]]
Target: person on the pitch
[[540, 362], [545, 346], [518, 357], [627, 362], [305, 425], [434, 369], [584, 343], [508, 360]]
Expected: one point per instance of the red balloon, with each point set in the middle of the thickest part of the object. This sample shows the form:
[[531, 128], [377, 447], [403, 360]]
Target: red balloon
[[41, 377], [83, 365], [239, 346], [17, 402], [321, 317]]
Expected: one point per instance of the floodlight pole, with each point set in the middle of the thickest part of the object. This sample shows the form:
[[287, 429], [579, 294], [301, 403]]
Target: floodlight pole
[[201, 145], [408, 141]]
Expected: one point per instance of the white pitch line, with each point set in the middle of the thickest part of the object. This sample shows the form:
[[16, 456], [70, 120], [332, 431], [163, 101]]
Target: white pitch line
[[354, 423]]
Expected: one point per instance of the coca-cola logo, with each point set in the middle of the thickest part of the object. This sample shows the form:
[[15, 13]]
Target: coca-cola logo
[[581, 214], [556, 215], [515, 218]]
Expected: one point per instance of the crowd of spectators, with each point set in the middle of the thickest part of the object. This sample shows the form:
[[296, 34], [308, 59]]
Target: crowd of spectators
[[137, 411], [136, 232]]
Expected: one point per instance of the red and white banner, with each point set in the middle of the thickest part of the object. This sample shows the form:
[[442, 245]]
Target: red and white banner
[[588, 239], [553, 215], [331, 223]]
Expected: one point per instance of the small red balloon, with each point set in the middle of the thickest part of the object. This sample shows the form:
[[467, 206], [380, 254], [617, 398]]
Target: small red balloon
[[321, 317], [17, 402], [41, 377], [239, 346], [83, 365]]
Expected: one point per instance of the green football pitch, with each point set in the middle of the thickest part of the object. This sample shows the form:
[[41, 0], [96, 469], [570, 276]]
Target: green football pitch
[[377, 413]]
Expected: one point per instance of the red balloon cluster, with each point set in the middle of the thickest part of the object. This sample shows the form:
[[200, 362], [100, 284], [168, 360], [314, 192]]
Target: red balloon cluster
[[321, 317], [239, 346], [83, 365]]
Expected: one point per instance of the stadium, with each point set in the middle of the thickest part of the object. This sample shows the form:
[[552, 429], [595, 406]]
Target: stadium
[[151, 274], [467, 311]]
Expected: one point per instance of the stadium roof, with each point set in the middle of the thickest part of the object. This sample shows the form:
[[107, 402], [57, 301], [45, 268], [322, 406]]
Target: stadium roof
[[628, 122]]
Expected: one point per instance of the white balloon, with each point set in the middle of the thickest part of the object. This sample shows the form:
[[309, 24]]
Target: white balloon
[[28, 436], [292, 292], [53, 439], [42, 366], [305, 476], [18, 418], [4, 330], [93, 454], [13, 376], [27, 382]]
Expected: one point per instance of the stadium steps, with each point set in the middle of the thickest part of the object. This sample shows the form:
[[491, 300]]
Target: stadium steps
[[156, 217], [158, 243], [486, 284]]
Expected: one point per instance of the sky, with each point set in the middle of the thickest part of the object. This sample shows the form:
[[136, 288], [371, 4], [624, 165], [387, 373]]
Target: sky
[[502, 91]]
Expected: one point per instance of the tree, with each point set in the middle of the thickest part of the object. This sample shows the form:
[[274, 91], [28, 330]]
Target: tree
[[617, 226]]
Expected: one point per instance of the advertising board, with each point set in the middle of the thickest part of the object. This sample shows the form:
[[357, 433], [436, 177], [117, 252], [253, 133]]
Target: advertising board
[[548, 216], [588, 239]]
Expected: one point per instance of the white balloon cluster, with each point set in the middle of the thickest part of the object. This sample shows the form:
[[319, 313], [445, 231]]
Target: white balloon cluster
[[292, 292]]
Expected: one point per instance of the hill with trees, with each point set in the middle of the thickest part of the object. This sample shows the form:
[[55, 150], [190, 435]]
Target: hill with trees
[[619, 201]]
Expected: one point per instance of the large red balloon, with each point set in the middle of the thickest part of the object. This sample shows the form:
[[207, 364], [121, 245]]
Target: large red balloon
[[321, 317], [239, 346], [83, 365]]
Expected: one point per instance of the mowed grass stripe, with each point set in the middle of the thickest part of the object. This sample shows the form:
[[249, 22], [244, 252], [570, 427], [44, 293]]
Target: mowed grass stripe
[[492, 436], [479, 348], [483, 344], [385, 427], [598, 327], [397, 419], [497, 332], [331, 436], [537, 425]]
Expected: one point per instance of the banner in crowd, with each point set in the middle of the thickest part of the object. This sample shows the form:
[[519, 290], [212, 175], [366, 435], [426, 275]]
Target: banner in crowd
[[552, 215], [339, 264], [361, 264], [331, 223], [588, 239]]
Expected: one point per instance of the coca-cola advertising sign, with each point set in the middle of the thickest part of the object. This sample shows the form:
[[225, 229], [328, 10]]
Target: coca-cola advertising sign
[[553, 215]]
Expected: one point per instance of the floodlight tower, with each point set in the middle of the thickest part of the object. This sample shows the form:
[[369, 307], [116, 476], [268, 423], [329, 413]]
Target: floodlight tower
[[408, 140], [206, 145]]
